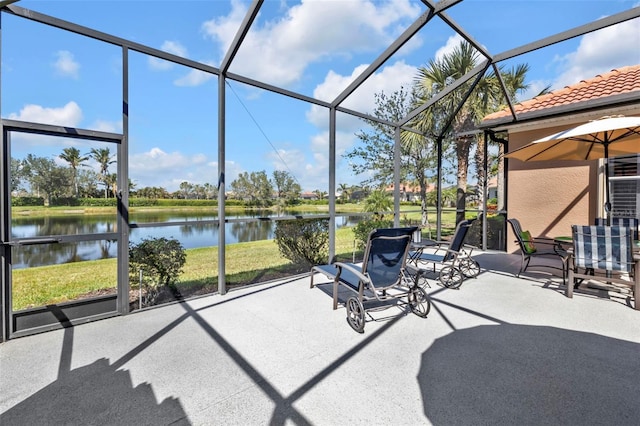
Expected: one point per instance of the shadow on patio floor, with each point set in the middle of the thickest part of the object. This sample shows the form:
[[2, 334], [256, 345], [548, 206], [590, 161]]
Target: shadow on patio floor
[[518, 374]]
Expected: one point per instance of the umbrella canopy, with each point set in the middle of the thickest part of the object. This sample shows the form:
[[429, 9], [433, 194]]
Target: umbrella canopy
[[603, 138]]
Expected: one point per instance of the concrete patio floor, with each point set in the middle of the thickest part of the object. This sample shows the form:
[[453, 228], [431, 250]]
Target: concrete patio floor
[[500, 350]]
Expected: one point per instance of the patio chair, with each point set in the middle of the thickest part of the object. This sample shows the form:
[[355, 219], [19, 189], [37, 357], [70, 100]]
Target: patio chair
[[631, 222], [602, 253], [537, 247], [454, 257], [381, 277]]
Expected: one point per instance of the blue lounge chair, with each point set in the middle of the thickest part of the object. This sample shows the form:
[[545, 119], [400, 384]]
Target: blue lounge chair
[[453, 256], [381, 277]]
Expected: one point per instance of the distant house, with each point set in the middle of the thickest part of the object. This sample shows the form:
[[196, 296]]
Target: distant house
[[309, 196], [550, 196], [409, 192]]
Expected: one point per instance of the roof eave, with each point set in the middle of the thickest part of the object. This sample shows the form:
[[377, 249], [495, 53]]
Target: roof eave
[[608, 102]]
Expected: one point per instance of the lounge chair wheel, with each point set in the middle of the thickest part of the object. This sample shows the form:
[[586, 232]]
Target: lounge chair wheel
[[355, 314], [450, 277], [469, 267], [419, 302]]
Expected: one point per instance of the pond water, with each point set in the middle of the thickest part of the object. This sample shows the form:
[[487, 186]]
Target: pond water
[[192, 235]]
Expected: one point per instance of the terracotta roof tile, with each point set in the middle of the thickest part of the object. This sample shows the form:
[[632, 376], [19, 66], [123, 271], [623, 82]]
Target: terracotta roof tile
[[615, 82]]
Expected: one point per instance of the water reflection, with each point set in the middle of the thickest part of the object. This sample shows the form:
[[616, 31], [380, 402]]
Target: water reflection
[[54, 254], [193, 235], [25, 227]]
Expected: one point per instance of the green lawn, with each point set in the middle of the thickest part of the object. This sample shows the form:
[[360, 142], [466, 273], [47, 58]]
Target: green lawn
[[246, 263]]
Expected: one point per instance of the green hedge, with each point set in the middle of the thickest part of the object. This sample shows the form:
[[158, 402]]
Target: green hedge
[[97, 202], [182, 202], [27, 201], [142, 202]]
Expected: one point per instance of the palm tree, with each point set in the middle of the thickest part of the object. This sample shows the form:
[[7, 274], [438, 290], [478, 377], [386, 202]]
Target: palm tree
[[344, 192], [320, 194], [378, 202], [75, 160], [485, 98], [111, 181], [104, 158]]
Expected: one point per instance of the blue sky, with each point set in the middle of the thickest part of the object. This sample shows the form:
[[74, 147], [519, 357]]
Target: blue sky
[[312, 47]]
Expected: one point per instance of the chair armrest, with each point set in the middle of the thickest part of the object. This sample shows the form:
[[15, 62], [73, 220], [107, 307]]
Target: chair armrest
[[340, 265]]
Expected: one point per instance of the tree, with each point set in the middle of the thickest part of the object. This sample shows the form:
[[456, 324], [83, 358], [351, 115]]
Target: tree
[[186, 189], [72, 156], [104, 158], [287, 188], [448, 197], [378, 202], [17, 174], [199, 191], [375, 154], [152, 192], [211, 192], [44, 175], [345, 191], [255, 188], [485, 98], [132, 186], [320, 194], [88, 181], [111, 181]]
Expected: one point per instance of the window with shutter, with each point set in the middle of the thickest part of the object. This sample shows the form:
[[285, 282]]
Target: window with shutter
[[624, 177]]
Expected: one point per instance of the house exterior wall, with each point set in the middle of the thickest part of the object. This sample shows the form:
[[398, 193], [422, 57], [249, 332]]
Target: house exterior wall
[[547, 197]]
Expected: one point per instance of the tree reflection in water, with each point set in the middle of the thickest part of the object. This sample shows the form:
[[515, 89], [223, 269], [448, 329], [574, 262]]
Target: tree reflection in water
[[194, 235]]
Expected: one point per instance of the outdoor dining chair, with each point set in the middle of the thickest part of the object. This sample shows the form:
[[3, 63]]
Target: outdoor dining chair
[[630, 222], [536, 247], [604, 254]]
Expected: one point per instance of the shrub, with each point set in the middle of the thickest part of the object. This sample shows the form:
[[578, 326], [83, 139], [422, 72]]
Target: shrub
[[98, 202], [362, 230], [142, 202], [27, 201], [303, 241], [161, 261], [179, 202]]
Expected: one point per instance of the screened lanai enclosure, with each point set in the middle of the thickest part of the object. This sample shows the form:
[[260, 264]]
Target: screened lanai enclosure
[[206, 130]]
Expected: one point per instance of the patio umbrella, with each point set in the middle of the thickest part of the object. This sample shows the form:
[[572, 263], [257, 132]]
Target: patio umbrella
[[602, 138]]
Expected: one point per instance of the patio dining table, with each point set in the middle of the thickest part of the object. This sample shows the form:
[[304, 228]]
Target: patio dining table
[[567, 241]]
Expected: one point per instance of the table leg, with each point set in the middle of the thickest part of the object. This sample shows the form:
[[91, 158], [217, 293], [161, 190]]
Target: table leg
[[636, 283]]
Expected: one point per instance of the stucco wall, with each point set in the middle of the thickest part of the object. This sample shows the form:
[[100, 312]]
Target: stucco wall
[[549, 196]]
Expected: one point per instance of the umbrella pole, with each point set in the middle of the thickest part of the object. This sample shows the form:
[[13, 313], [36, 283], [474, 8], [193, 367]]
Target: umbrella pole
[[607, 204]]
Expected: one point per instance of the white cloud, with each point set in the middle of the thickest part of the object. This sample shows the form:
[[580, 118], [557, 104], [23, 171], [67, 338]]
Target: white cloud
[[599, 52], [452, 42], [66, 65], [309, 32], [313, 172], [168, 46], [107, 126], [193, 78], [69, 115], [389, 79], [162, 169]]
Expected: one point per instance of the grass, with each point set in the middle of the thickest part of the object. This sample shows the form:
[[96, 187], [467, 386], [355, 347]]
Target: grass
[[245, 263], [45, 285]]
